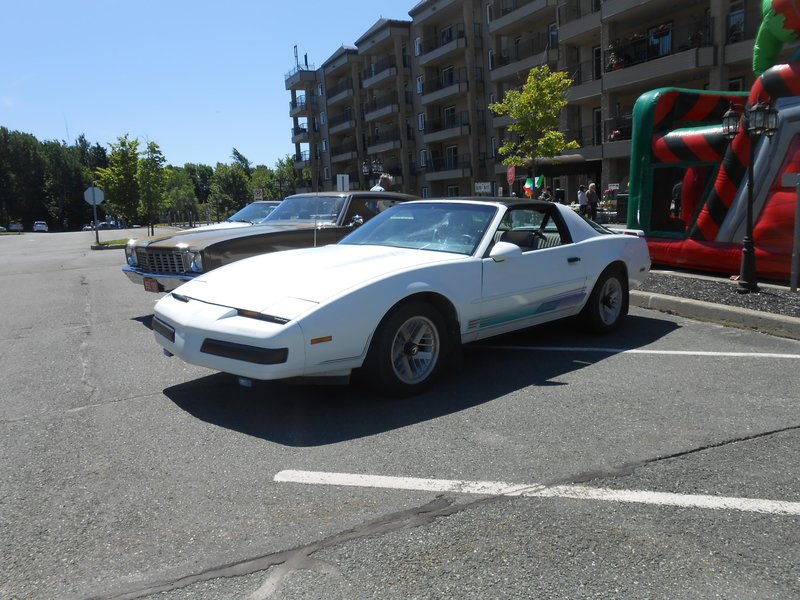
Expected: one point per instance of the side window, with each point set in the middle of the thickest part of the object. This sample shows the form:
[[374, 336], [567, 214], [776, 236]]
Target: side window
[[367, 207], [531, 229]]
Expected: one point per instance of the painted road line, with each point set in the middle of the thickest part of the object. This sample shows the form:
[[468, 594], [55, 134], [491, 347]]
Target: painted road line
[[577, 492], [635, 351]]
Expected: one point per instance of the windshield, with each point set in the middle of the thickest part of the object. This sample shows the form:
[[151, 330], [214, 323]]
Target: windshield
[[444, 227], [311, 209], [253, 213]]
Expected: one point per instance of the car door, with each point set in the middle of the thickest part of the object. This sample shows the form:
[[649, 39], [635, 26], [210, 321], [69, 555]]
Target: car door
[[546, 280]]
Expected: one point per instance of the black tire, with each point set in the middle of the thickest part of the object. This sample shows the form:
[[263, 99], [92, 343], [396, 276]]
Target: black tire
[[608, 303], [408, 350]]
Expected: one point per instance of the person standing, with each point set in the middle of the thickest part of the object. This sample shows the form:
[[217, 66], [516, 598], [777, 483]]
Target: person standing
[[583, 200], [384, 182], [594, 201]]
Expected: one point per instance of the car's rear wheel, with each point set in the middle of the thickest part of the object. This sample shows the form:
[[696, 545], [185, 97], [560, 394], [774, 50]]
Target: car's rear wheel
[[608, 303], [407, 352]]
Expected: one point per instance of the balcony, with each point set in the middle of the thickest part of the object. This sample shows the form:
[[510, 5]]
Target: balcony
[[341, 92], [451, 127], [449, 40], [301, 77], [301, 160], [383, 70], [300, 135], [648, 59], [534, 51], [590, 139], [300, 107], [451, 83], [386, 139], [341, 124], [452, 167], [587, 82], [516, 15], [343, 152], [384, 106], [578, 22]]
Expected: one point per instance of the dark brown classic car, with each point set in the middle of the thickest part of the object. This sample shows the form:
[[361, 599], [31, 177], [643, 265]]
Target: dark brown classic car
[[163, 262]]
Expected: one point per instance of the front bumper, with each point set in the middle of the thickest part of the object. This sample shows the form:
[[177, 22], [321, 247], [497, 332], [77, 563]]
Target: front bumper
[[166, 283]]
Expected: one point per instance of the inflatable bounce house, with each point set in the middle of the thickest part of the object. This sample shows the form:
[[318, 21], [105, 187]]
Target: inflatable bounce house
[[688, 182]]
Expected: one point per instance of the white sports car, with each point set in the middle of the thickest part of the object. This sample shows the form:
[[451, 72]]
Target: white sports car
[[396, 298]]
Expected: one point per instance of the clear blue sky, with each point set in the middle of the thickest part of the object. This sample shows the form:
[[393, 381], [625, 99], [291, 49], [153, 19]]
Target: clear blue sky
[[197, 77]]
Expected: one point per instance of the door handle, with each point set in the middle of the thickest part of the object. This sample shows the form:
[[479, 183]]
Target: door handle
[[574, 259]]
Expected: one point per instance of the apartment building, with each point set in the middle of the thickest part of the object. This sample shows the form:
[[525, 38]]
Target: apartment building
[[411, 97]]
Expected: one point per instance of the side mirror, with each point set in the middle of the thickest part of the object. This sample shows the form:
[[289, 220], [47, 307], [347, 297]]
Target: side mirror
[[503, 251]]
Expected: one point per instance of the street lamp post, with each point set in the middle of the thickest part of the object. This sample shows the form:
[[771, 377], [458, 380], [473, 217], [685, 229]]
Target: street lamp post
[[370, 167], [760, 119]]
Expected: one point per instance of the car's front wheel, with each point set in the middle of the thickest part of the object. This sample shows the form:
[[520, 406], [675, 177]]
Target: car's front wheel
[[407, 351], [608, 303]]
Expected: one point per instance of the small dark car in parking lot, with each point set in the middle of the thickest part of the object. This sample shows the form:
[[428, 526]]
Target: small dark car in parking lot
[[163, 262]]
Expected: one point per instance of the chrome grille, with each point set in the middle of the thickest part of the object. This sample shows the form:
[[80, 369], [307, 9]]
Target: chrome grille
[[160, 261]]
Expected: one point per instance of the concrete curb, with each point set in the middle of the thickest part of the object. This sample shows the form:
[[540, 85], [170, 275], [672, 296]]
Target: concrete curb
[[730, 316]]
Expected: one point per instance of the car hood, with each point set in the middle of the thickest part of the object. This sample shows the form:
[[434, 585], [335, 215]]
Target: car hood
[[302, 277], [199, 238]]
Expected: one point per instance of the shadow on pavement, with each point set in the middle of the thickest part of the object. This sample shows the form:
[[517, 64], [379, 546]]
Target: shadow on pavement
[[304, 415]]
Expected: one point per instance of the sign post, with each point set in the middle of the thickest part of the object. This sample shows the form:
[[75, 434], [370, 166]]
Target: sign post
[[787, 180], [94, 196]]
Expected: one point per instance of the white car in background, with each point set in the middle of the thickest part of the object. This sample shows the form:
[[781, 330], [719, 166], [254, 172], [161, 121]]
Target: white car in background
[[398, 297], [40, 226]]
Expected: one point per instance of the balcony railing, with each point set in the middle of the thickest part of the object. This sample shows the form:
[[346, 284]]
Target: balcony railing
[[448, 163], [444, 37], [573, 10], [618, 128], [342, 86], [388, 134], [537, 43], [658, 43]]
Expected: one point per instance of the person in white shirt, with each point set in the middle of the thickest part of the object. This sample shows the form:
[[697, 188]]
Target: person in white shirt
[[384, 182]]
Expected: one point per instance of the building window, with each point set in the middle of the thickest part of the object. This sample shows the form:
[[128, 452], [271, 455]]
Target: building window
[[421, 121], [490, 58], [736, 85], [736, 22], [320, 90], [660, 40], [446, 35], [322, 118], [489, 13], [451, 157], [417, 46], [324, 145], [423, 157], [552, 36], [326, 173], [448, 76], [420, 84], [452, 191], [597, 63], [493, 146], [426, 192], [449, 117], [597, 126]]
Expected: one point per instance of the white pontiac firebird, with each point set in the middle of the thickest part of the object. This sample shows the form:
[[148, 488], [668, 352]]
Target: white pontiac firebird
[[395, 299]]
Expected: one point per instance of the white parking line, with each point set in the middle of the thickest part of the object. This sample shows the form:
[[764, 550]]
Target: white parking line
[[578, 492], [634, 351]]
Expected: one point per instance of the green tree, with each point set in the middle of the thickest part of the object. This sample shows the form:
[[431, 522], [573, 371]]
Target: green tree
[[201, 180], [239, 159], [150, 177], [285, 177], [63, 184], [535, 109], [263, 178], [230, 189], [179, 193], [119, 180]]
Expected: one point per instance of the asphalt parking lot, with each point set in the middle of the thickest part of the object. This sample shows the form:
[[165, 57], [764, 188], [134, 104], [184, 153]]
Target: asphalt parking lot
[[657, 462]]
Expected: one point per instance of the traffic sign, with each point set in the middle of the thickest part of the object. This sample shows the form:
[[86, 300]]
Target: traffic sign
[[93, 195], [511, 174]]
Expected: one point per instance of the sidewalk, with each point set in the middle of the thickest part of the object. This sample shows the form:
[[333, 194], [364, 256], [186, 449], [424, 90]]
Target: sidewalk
[[774, 310]]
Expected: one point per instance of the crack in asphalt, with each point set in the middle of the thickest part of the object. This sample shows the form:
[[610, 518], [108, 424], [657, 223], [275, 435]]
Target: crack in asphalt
[[299, 557], [629, 468]]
